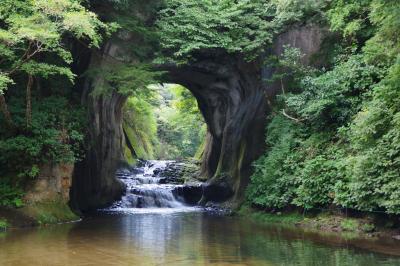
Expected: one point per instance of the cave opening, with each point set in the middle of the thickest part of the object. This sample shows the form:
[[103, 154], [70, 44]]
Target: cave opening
[[226, 97], [163, 122]]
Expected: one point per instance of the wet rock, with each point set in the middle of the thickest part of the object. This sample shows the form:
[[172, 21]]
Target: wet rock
[[141, 163], [217, 192], [190, 194], [16, 218], [179, 172], [94, 184], [397, 237], [136, 171], [216, 209], [123, 173], [171, 174]]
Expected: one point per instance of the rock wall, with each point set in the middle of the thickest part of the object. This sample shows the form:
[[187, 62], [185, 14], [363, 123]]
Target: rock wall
[[94, 183], [233, 98], [52, 183]]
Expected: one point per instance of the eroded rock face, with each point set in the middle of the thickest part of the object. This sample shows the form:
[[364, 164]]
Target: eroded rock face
[[235, 100], [94, 183], [190, 194], [233, 97], [52, 183]]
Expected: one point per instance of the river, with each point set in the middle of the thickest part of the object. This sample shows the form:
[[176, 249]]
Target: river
[[150, 226]]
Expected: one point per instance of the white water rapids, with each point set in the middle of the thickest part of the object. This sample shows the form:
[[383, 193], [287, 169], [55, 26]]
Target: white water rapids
[[145, 194]]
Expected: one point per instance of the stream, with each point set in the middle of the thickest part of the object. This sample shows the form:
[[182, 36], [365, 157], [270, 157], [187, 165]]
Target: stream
[[153, 225], [148, 192]]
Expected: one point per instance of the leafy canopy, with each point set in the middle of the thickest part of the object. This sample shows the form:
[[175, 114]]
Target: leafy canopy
[[243, 27], [31, 28], [344, 146]]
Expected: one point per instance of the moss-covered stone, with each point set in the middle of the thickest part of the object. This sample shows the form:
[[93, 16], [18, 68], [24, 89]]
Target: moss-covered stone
[[49, 212], [138, 143], [128, 155]]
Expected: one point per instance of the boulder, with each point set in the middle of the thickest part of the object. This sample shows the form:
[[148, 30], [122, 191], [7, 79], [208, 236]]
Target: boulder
[[217, 191], [190, 194]]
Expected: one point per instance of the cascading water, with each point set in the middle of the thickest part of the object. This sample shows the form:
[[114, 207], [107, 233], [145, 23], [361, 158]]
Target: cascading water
[[145, 193]]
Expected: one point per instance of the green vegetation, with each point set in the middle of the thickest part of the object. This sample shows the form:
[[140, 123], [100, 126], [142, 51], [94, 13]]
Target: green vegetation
[[42, 120], [3, 225], [160, 124], [181, 128], [10, 194], [129, 73], [288, 219], [237, 27], [326, 222], [349, 224], [333, 138], [333, 134], [50, 212], [140, 127]]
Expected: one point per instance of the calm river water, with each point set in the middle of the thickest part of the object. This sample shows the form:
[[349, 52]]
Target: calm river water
[[152, 225], [183, 238]]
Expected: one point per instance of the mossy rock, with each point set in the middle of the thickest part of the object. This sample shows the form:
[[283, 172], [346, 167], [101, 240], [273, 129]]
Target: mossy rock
[[138, 143], [50, 212]]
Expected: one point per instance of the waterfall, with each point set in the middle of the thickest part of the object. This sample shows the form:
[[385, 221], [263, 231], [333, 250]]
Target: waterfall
[[146, 192]]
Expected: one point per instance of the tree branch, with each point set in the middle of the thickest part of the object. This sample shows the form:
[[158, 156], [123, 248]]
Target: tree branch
[[29, 101], [291, 117], [27, 57]]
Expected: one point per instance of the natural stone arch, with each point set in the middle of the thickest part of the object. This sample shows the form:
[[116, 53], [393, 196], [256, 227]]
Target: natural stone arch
[[232, 97]]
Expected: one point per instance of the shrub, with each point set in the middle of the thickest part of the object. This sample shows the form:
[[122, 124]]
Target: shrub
[[56, 135]]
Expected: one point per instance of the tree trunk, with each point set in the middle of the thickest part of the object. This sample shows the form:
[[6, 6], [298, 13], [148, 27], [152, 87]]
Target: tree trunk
[[6, 112], [29, 102]]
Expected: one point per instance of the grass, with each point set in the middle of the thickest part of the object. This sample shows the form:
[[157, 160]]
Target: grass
[[3, 225], [368, 227], [276, 218], [323, 222], [349, 224]]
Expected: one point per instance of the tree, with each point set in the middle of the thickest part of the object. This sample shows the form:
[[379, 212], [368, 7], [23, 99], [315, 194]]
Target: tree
[[238, 27], [31, 32]]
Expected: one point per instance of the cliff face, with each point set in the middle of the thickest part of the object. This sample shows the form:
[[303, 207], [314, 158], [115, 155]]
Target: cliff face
[[233, 98], [94, 183], [52, 183]]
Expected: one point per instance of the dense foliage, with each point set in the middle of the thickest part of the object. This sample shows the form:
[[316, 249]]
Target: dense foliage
[[42, 121], [237, 27], [181, 127], [334, 138], [159, 125], [140, 128], [129, 71]]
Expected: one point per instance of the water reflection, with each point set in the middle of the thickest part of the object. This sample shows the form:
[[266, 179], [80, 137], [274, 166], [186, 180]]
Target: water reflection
[[181, 239]]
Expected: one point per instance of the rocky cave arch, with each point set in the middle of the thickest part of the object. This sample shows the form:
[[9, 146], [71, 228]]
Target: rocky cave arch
[[233, 98]]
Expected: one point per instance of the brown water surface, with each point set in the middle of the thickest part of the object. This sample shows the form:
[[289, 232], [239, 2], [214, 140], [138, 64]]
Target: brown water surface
[[184, 238]]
